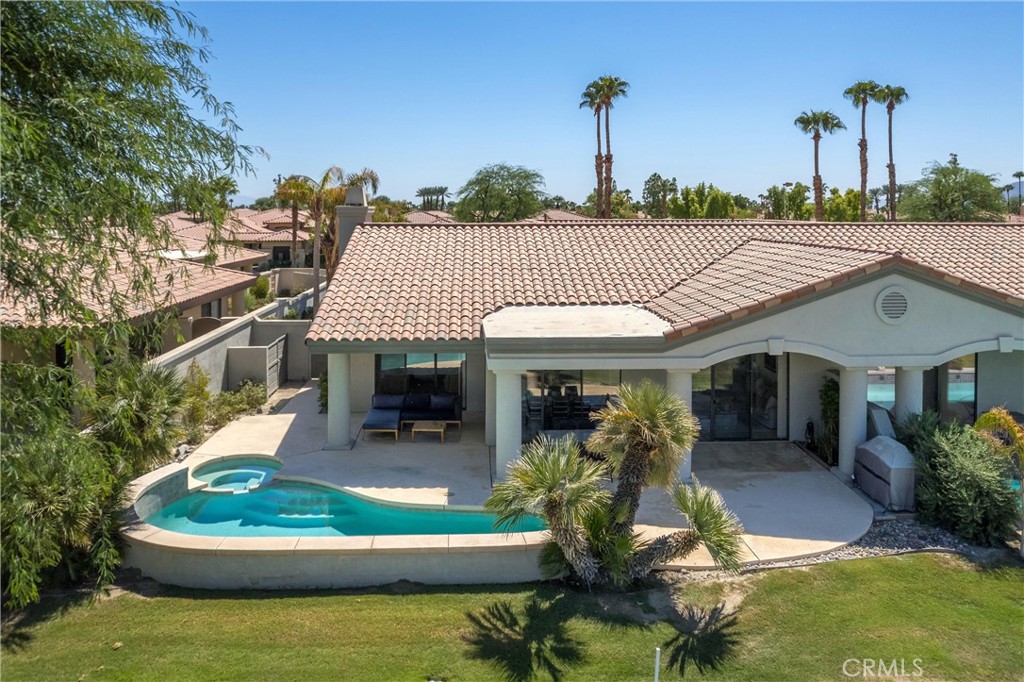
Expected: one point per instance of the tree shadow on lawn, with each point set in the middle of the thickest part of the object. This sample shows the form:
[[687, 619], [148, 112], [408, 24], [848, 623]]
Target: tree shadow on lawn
[[16, 627], [534, 642], [705, 638]]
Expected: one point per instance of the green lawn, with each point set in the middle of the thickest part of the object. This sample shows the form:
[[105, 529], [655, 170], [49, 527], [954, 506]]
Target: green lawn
[[963, 621]]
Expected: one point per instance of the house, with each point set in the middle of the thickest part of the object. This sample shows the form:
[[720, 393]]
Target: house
[[197, 294], [267, 231], [745, 320]]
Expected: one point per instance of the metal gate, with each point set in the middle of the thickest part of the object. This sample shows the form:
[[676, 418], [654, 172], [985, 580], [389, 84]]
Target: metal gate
[[277, 364]]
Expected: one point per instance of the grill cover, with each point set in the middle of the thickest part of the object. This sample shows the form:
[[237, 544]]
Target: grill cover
[[884, 469]]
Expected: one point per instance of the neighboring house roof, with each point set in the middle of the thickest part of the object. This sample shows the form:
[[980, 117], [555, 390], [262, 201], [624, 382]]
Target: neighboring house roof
[[428, 217], [558, 215], [279, 217], [238, 228], [177, 283], [438, 282], [226, 255]]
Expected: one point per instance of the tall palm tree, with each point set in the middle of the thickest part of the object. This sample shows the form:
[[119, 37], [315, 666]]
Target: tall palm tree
[[551, 480], [610, 88], [860, 93], [892, 96], [1007, 188], [1020, 205], [591, 99], [645, 435], [294, 190], [816, 123]]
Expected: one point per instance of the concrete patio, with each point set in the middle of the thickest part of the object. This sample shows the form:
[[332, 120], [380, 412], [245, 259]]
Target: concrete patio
[[789, 505]]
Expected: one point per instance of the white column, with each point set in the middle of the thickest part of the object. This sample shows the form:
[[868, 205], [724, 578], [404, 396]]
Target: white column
[[238, 303], [680, 382], [490, 409], [508, 404], [339, 412], [909, 392], [853, 415]]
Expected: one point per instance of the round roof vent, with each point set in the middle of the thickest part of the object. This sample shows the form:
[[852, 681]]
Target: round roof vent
[[892, 305]]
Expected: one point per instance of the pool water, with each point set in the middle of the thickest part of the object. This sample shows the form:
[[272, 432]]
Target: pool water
[[237, 474], [289, 509]]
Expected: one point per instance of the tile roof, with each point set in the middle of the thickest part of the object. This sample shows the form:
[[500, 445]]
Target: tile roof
[[182, 283], [226, 255], [438, 282], [276, 216], [559, 215], [238, 228], [428, 217]]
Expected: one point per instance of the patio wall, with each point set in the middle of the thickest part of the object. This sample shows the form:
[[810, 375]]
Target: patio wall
[[1001, 380]]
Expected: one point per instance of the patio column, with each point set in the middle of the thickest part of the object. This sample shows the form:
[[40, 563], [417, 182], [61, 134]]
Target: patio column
[[853, 415], [490, 409], [238, 303], [909, 392], [508, 404], [339, 412], [680, 382]]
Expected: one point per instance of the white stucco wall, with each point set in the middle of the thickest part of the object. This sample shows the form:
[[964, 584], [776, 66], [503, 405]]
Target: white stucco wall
[[476, 384], [1001, 380], [806, 375]]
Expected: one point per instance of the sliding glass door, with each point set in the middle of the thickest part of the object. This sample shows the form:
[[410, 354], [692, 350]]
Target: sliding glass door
[[738, 399]]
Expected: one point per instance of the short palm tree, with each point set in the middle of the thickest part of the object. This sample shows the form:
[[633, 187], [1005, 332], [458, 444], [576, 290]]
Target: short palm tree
[[645, 434], [860, 93], [591, 99], [710, 524], [892, 96], [551, 480], [1008, 437], [816, 123], [610, 88]]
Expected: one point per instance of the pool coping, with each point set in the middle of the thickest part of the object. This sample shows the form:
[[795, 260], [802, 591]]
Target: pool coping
[[137, 532]]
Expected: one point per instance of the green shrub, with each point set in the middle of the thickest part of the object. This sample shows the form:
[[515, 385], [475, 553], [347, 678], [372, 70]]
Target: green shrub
[[252, 395], [322, 387], [137, 413], [261, 289], [828, 439], [960, 480], [291, 314], [227, 405]]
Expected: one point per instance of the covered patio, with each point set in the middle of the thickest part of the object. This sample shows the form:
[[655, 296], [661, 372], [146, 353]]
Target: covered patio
[[789, 505]]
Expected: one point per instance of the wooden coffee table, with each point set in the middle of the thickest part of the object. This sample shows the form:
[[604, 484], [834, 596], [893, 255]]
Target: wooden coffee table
[[429, 427]]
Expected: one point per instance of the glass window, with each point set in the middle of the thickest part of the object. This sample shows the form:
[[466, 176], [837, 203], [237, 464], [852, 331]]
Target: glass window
[[401, 373], [562, 400], [957, 386]]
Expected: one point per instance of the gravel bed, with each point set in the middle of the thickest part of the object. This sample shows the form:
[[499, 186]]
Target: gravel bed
[[886, 537]]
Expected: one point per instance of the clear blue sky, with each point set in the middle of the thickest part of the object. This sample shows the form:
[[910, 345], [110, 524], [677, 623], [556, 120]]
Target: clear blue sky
[[426, 93]]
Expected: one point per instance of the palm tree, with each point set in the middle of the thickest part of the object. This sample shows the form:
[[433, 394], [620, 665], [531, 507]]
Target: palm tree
[[295, 191], [710, 523], [816, 123], [1020, 205], [892, 96], [1007, 188], [551, 480], [610, 88], [645, 435], [591, 99], [367, 179], [875, 193], [860, 93]]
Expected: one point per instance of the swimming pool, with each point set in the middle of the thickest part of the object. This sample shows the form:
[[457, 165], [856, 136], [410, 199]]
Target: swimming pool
[[291, 509], [237, 474]]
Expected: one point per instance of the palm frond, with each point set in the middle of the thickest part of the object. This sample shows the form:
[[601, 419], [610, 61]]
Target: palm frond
[[715, 526]]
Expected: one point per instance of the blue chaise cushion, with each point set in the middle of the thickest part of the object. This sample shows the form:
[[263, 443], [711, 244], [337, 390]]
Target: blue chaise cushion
[[387, 402]]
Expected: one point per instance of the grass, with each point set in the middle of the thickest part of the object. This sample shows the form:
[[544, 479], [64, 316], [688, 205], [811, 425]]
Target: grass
[[961, 620]]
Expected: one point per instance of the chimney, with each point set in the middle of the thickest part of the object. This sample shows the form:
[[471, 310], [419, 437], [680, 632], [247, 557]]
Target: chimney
[[353, 212]]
